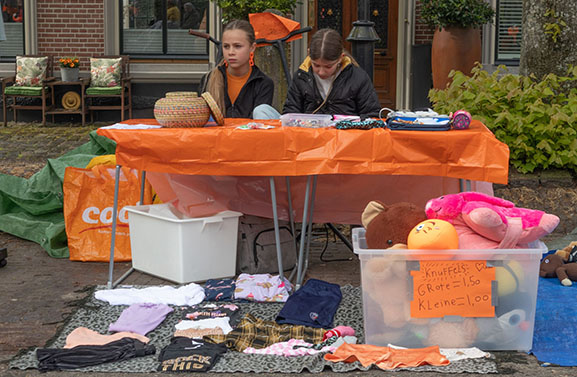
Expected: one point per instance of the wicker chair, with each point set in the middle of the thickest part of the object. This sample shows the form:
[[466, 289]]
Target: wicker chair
[[13, 92], [122, 91]]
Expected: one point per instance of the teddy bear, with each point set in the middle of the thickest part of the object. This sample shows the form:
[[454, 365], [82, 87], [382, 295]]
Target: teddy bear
[[487, 222], [553, 266], [568, 253], [388, 225]]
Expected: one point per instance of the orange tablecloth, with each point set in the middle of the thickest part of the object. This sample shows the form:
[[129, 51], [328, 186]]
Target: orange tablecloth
[[206, 170], [473, 154]]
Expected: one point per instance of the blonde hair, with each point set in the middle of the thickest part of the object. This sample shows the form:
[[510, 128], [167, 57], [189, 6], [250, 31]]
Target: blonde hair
[[215, 84]]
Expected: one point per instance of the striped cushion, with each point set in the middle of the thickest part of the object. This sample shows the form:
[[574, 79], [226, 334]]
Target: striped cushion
[[24, 90], [113, 90]]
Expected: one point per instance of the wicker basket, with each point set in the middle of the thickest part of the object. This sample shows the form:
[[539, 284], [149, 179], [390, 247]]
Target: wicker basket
[[181, 109], [181, 94]]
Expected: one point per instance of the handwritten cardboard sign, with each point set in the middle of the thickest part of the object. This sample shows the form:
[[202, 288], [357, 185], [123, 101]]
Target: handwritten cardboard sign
[[443, 288]]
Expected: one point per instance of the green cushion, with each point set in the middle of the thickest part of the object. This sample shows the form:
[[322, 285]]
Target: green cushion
[[24, 90], [98, 91]]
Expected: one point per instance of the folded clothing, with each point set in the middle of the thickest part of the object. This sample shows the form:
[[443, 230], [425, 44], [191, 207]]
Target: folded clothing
[[140, 318], [190, 294], [189, 355], [84, 356], [314, 305], [261, 288], [258, 333], [82, 336], [219, 289]]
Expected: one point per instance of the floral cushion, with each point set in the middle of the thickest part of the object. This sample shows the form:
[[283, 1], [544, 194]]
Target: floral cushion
[[105, 72], [31, 71]]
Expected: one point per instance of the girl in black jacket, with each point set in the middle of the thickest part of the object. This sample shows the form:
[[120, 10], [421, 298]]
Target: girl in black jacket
[[236, 84], [329, 81]]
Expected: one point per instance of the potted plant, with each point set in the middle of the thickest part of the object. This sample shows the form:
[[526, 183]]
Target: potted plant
[[457, 38], [69, 68]]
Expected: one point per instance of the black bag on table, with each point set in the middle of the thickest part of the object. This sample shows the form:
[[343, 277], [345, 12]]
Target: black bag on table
[[256, 247]]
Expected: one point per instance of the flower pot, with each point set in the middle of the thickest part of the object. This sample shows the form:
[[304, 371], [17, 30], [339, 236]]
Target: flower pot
[[454, 48], [69, 74], [181, 109]]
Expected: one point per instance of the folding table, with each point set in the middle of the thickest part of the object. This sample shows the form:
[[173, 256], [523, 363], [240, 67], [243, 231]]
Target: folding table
[[472, 154]]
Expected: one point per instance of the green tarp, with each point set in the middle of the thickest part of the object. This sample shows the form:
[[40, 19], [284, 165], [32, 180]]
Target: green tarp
[[32, 208]]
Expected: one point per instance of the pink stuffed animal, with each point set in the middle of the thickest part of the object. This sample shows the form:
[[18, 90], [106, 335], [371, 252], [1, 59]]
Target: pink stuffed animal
[[487, 222]]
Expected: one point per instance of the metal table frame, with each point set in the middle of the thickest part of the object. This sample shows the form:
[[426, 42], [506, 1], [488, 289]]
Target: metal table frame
[[303, 253], [306, 229]]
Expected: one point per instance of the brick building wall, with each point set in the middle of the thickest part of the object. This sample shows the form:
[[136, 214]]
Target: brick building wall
[[71, 28], [423, 32]]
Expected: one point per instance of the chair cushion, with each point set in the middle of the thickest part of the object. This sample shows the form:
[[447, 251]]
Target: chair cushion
[[31, 71], [24, 90], [105, 72], [97, 91]]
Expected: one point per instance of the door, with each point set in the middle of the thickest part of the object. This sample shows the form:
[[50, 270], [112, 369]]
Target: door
[[340, 15]]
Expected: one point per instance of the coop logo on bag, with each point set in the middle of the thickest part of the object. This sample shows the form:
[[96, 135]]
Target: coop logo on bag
[[93, 215]]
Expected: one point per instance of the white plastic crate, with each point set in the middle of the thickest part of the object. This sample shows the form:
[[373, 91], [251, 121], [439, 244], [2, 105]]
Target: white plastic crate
[[412, 298], [181, 249]]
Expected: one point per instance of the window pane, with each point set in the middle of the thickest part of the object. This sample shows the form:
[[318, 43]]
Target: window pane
[[144, 21], [12, 15], [509, 20]]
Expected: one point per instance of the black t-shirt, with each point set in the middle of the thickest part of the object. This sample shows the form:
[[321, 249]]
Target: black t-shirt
[[189, 355]]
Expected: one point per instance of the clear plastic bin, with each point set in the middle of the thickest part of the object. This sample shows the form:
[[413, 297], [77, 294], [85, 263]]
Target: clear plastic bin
[[400, 285], [306, 120]]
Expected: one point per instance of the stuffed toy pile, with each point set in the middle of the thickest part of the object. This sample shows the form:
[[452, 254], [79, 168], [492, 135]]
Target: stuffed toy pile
[[480, 222], [487, 222]]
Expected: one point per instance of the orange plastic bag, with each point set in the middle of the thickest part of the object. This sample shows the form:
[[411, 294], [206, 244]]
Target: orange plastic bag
[[88, 202]]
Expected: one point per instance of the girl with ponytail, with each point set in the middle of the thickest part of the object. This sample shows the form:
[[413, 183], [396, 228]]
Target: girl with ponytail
[[330, 81], [236, 84]]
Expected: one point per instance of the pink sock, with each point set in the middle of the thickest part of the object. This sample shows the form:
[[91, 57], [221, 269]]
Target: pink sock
[[339, 331]]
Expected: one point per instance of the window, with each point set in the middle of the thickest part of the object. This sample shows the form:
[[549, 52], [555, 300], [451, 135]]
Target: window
[[509, 20], [159, 28], [12, 13]]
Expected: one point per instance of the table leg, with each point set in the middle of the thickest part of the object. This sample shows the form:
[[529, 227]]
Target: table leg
[[464, 185], [300, 273], [310, 227], [292, 222], [276, 227], [112, 284], [142, 185], [113, 231]]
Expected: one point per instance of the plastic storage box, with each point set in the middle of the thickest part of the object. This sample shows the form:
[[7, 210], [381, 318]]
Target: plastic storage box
[[169, 245], [450, 298], [306, 120]]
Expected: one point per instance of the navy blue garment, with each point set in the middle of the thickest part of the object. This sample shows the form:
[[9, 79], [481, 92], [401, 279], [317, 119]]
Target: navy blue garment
[[314, 305], [219, 290]]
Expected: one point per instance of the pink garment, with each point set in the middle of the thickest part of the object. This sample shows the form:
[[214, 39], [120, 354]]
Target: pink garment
[[261, 288], [82, 336], [339, 331], [286, 349]]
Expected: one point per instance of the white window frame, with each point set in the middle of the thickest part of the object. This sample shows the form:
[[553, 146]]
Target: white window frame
[[490, 45], [30, 37]]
